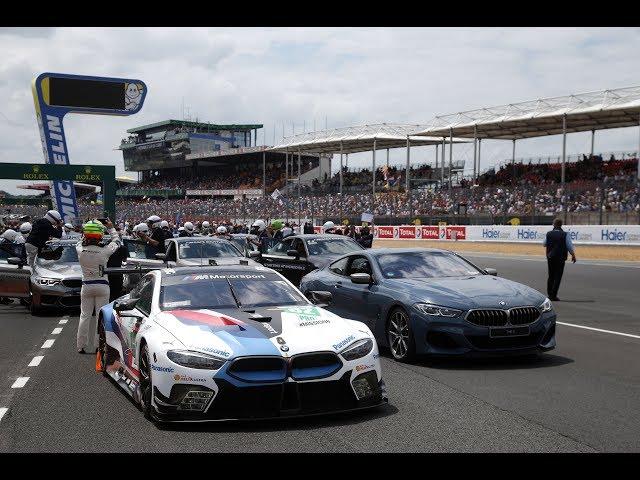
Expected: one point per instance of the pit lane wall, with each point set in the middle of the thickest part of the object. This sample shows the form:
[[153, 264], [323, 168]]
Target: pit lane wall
[[580, 234]]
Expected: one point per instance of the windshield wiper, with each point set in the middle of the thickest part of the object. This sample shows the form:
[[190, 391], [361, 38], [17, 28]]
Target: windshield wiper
[[238, 303]]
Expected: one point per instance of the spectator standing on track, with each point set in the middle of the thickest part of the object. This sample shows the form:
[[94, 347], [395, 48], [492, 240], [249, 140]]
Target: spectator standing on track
[[558, 244], [42, 230], [95, 288]]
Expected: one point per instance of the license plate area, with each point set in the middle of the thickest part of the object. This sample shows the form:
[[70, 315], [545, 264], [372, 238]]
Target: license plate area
[[502, 332]]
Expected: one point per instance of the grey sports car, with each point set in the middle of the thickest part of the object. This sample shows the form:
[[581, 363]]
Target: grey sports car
[[436, 302]]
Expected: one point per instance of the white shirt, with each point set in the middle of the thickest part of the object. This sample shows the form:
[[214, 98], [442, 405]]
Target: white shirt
[[91, 257]]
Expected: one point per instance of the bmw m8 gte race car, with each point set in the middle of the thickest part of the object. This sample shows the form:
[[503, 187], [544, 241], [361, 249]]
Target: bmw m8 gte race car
[[235, 342]]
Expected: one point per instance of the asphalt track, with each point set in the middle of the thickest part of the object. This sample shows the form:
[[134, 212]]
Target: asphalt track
[[581, 397]]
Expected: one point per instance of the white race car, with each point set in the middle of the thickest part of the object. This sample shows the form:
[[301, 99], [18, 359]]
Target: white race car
[[235, 342]]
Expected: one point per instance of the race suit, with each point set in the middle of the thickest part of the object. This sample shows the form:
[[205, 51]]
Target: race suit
[[95, 289]]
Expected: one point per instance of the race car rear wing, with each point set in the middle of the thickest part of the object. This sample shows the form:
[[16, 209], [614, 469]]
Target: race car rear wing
[[138, 269]]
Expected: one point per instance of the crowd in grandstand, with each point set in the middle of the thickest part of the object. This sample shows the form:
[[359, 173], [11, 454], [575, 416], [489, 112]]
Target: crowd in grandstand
[[592, 185]]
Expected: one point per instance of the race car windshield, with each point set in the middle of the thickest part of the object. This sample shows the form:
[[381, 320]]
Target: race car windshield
[[189, 250], [424, 265], [241, 243], [228, 293], [57, 254], [332, 246]]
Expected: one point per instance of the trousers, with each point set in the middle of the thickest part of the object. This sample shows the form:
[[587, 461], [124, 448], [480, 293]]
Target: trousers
[[92, 297]]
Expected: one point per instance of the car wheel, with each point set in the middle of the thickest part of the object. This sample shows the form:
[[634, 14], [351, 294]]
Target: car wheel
[[146, 383], [102, 348], [400, 336]]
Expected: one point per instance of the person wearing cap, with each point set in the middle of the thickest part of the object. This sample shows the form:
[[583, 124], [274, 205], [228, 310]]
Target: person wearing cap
[[187, 230], [42, 230], [205, 229], [221, 232], [10, 236], [158, 235], [329, 227], [69, 233], [94, 293], [24, 230], [276, 228]]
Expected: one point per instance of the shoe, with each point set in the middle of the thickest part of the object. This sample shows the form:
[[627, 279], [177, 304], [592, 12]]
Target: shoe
[[81, 350]]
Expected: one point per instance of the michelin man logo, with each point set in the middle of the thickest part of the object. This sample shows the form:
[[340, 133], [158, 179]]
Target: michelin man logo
[[132, 96]]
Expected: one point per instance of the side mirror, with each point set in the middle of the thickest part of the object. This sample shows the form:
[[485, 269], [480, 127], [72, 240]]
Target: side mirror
[[320, 298], [361, 278], [124, 305], [293, 253], [15, 261], [491, 271], [255, 254], [161, 256]]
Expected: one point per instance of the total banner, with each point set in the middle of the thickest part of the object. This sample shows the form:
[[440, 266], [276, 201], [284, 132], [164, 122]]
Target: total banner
[[580, 234]]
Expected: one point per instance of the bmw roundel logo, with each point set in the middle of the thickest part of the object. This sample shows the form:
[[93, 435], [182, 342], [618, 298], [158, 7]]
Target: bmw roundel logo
[[502, 303], [284, 348]]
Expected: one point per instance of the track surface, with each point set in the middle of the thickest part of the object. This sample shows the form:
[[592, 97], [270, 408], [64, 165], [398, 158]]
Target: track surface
[[581, 397]]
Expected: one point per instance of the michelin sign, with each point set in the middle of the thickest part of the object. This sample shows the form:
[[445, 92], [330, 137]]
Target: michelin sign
[[55, 95]]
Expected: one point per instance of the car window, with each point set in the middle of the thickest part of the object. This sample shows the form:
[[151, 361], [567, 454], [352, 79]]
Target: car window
[[146, 296], [139, 249], [425, 265], [298, 245], [281, 248], [339, 267], [204, 249], [359, 265], [55, 254], [332, 246], [8, 250], [135, 291]]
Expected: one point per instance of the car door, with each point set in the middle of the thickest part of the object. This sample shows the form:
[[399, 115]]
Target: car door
[[331, 280], [360, 301], [277, 258], [172, 254], [139, 253], [14, 280], [130, 322]]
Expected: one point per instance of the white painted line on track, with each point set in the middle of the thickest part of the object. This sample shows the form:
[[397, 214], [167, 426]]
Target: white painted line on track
[[63, 321], [599, 330], [56, 331], [3, 410], [47, 343], [36, 361], [20, 382]]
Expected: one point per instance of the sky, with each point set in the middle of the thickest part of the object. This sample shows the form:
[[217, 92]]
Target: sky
[[334, 76]]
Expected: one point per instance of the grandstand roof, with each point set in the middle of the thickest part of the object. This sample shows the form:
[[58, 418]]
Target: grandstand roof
[[189, 124], [358, 139], [584, 112]]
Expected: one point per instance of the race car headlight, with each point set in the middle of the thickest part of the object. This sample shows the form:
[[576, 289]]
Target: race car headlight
[[49, 282], [357, 349], [437, 310], [190, 359], [546, 306]]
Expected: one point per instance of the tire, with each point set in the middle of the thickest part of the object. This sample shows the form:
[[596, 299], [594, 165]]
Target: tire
[[400, 336], [102, 348], [146, 383]]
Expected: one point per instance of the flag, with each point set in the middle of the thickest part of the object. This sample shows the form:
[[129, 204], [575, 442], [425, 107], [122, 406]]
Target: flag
[[276, 194]]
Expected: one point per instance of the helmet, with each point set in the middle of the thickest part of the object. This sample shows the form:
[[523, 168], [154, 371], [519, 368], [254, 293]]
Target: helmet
[[9, 235], [53, 216], [154, 219], [141, 227], [164, 224], [25, 227], [276, 224], [221, 230], [188, 226], [205, 224], [259, 225], [69, 226], [328, 225], [93, 229]]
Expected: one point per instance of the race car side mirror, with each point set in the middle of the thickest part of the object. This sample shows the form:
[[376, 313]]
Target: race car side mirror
[[161, 256], [320, 298], [361, 278], [293, 253], [124, 305], [255, 254], [491, 271], [15, 261]]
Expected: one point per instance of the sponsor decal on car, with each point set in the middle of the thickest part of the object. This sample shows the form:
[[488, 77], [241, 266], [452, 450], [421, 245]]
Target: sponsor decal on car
[[314, 322], [213, 351], [158, 368], [290, 266], [193, 317], [343, 343], [187, 378], [219, 276], [362, 368], [268, 327]]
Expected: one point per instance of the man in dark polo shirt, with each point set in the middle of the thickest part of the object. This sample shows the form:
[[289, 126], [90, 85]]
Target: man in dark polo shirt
[[558, 244]]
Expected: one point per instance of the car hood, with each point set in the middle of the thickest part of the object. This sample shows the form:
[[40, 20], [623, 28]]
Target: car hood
[[59, 270], [481, 291], [291, 330]]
